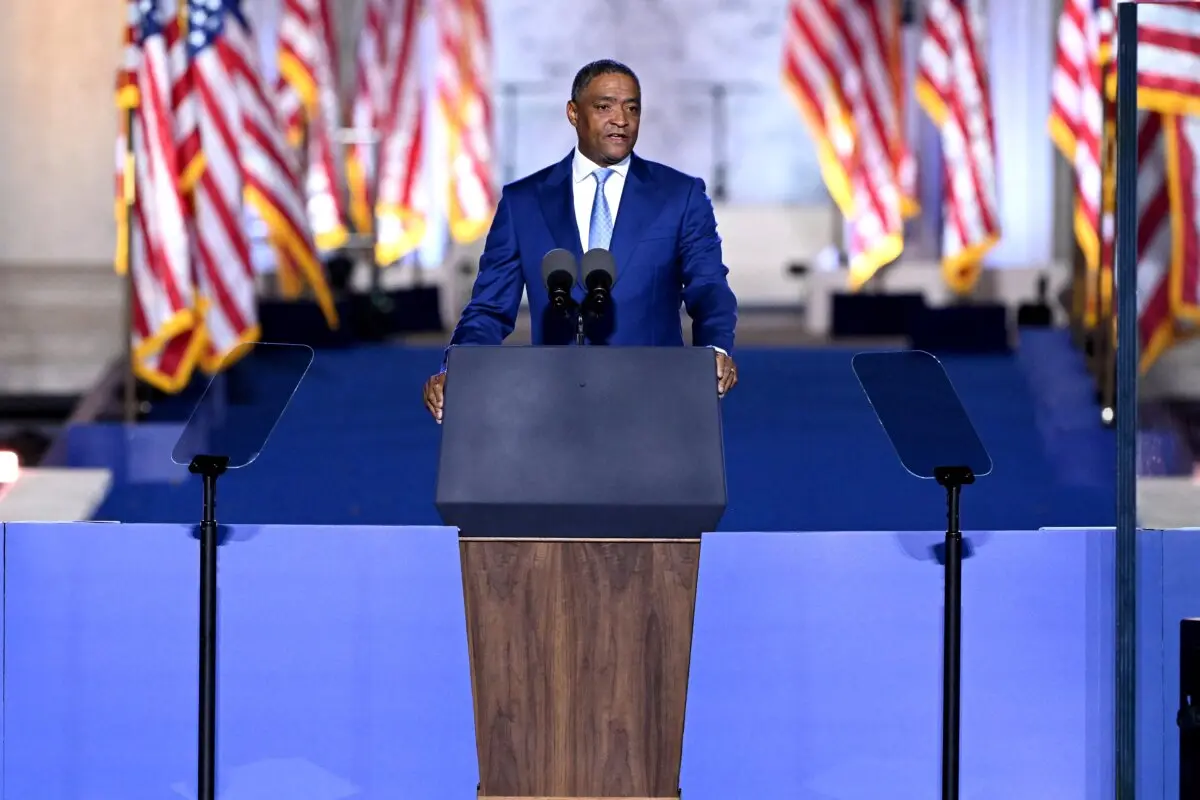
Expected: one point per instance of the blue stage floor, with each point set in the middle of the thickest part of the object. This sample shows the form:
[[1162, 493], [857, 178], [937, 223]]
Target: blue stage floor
[[803, 450], [815, 672]]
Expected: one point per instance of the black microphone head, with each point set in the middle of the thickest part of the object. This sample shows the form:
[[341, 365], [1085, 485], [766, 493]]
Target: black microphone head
[[558, 261], [598, 268]]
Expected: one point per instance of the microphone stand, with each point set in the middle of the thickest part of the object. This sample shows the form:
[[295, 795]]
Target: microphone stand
[[594, 308]]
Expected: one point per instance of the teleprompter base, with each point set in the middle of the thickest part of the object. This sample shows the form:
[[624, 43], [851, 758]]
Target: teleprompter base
[[579, 655]]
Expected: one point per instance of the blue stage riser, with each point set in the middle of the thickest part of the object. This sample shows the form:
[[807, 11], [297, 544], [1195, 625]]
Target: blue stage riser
[[357, 446], [815, 673]]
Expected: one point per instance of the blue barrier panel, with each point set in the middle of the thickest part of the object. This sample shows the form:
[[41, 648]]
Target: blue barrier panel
[[1168, 591], [343, 663], [816, 667]]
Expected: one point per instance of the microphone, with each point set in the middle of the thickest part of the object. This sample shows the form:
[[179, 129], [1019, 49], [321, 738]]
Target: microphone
[[599, 273], [558, 273]]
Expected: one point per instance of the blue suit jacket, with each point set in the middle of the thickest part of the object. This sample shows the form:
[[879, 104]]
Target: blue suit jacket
[[664, 243]]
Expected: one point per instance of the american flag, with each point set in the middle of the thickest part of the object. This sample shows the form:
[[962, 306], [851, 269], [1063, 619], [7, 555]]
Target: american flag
[[368, 109], [308, 105], [402, 197], [131, 57], [1156, 328], [126, 195], [388, 103], [841, 62], [1080, 121], [225, 273], [273, 187], [152, 216], [247, 160], [1168, 257], [953, 88], [1169, 57], [464, 77], [1183, 149]]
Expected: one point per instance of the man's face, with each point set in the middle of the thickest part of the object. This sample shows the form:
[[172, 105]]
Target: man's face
[[606, 118]]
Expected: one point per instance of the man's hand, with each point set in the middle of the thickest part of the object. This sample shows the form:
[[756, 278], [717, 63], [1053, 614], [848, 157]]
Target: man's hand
[[726, 374], [433, 395]]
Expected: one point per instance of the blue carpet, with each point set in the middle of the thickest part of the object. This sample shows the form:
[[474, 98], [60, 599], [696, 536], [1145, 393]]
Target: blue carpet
[[803, 449]]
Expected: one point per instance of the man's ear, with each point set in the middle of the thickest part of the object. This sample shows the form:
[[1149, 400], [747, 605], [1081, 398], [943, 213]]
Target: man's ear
[[572, 113]]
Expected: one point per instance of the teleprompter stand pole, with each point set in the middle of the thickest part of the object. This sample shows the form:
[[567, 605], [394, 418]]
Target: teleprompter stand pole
[[953, 478], [209, 468]]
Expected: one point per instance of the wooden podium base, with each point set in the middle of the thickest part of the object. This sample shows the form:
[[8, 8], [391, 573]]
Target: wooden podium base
[[579, 656], [493, 797]]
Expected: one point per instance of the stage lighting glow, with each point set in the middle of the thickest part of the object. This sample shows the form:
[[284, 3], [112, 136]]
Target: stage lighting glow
[[9, 466]]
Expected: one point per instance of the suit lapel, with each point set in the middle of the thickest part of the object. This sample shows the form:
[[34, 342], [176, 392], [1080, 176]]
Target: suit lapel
[[557, 200], [639, 207]]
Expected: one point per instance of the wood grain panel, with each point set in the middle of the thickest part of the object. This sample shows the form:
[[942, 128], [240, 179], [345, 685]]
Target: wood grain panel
[[579, 663], [672, 797]]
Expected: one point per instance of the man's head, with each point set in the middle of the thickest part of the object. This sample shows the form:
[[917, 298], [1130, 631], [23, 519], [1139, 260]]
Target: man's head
[[605, 109]]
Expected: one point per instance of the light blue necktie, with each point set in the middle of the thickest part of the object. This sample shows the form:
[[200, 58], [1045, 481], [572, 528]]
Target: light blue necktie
[[601, 226]]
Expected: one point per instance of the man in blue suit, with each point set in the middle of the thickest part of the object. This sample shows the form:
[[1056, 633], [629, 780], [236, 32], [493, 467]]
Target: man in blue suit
[[657, 222]]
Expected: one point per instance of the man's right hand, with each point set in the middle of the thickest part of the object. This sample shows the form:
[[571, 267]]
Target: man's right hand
[[433, 395]]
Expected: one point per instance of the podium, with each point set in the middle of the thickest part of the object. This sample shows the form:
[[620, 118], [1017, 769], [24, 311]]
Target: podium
[[580, 479]]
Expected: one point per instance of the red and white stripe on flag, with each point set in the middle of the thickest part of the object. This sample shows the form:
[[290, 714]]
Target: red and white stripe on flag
[[1169, 57], [464, 81], [388, 105], [307, 94], [371, 90], [1183, 180], [1073, 57], [1169, 103], [953, 88], [841, 63], [1078, 113], [127, 99], [225, 273], [402, 198], [1169, 83], [1154, 241], [271, 176], [153, 220]]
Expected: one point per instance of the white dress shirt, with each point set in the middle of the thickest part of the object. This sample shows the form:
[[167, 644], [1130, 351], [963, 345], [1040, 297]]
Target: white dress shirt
[[584, 189]]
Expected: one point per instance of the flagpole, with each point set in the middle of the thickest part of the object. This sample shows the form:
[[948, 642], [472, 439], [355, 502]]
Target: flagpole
[[130, 193], [1126, 365]]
